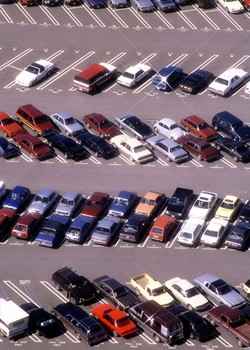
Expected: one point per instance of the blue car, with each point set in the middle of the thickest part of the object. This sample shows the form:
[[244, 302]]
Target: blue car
[[122, 204], [168, 78], [80, 229], [17, 198], [96, 4], [7, 149]]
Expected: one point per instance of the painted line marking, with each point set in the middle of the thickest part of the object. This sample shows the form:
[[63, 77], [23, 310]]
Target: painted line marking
[[26, 14], [46, 11], [72, 16], [94, 16]]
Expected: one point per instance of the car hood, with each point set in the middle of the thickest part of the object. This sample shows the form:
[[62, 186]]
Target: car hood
[[119, 1], [218, 87], [233, 298], [164, 299], [12, 203], [25, 78], [63, 208], [44, 237], [74, 127], [198, 301], [142, 154], [118, 208], [38, 207], [14, 129], [234, 6], [207, 133], [223, 212], [244, 330], [180, 152], [198, 213], [244, 132]]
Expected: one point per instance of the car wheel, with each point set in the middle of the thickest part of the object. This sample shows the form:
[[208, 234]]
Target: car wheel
[[155, 130], [115, 334], [236, 159], [215, 127], [189, 307], [156, 338], [240, 343], [200, 157]]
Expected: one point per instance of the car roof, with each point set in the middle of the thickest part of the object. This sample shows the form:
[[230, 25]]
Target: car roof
[[230, 198], [81, 220], [185, 284], [91, 71], [195, 119], [228, 116], [45, 192], [136, 219], [98, 195], [20, 189], [133, 142], [70, 195], [181, 192], [194, 139], [167, 121], [4, 115], [165, 71], [63, 115], [207, 195], [28, 137], [135, 68], [43, 62], [163, 220], [27, 219], [30, 109]]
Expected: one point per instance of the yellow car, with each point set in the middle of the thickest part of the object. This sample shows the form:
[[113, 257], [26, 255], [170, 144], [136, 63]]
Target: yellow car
[[228, 208]]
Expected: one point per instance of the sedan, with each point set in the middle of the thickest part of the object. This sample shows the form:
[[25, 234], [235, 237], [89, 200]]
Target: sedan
[[34, 146], [239, 236], [122, 204], [135, 126], [8, 126], [168, 128], [119, 3], [96, 4], [144, 5], [134, 228], [214, 232], [100, 125], [7, 149], [244, 213], [35, 72], [196, 82], [199, 127], [17, 198], [68, 203], [80, 229], [168, 78], [179, 202], [133, 75], [169, 148], [228, 208], [43, 201], [190, 232], [238, 150], [106, 230], [7, 217], [67, 123], [165, 5]]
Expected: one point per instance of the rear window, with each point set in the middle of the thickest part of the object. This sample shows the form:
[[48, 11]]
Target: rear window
[[20, 227]]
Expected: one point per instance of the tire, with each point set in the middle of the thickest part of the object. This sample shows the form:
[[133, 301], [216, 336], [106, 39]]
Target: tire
[[189, 307], [156, 338], [155, 130], [215, 127], [236, 159], [115, 334], [240, 343]]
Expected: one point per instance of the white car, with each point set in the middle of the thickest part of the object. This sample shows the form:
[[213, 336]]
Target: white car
[[228, 81], [67, 123], [35, 72], [203, 205], [187, 294], [132, 148], [168, 128], [232, 6], [214, 232], [247, 88], [2, 189], [133, 75], [190, 232]]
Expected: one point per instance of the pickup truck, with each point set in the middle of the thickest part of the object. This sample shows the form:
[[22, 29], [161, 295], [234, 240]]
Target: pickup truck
[[151, 289]]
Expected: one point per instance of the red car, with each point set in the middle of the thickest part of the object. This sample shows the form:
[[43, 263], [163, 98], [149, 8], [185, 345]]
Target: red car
[[199, 127], [26, 225], [8, 126], [96, 204], [34, 146], [7, 217], [163, 228], [115, 320], [101, 125]]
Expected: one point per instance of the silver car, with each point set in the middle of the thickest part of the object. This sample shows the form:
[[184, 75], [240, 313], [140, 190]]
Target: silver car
[[43, 201], [68, 203], [67, 123], [119, 3], [169, 148], [219, 290], [144, 5], [106, 230], [168, 128]]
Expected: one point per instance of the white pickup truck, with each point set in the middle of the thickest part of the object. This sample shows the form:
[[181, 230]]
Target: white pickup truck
[[151, 289]]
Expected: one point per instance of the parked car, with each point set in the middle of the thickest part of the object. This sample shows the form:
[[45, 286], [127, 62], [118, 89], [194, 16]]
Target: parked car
[[134, 126], [232, 78], [96, 4], [203, 205], [26, 226], [206, 4], [168, 78], [72, 2], [3, 190], [34, 119], [35, 72], [132, 148], [30, 2], [77, 288], [68, 203], [179, 202], [8, 126], [191, 231], [35, 147], [219, 291], [199, 127], [231, 319], [66, 123], [52, 3], [163, 228], [119, 3], [7, 149], [168, 128], [214, 232], [96, 204], [247, 87], [143, 5], [196, 81], [228, 208], [7, 217], [122, 204], [94, 76], [114, 320], [135, 228], [169, 148], [100, 125], [165, 5], [236, 149], [234, 6], [244, 213], [187, 294], [80, 229], [245, 287], [199, 148], [43, 201], [17, 198], [239, 236], [106, 230], [150, 204], [232, 126], [133, 75]]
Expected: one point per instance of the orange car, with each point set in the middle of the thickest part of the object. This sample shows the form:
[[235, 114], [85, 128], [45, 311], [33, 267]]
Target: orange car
[[163, 228], [115, 320], [150, 204], [8, 126]]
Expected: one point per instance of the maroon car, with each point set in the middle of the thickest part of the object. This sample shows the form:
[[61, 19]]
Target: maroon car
[[199, 127], [199, 148], [26, 225], [233, 321], [96, 204], [34, 146], [7, 217], [100, 125]]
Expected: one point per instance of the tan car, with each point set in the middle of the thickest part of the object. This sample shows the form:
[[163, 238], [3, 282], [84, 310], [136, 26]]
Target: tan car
[[150, 204]]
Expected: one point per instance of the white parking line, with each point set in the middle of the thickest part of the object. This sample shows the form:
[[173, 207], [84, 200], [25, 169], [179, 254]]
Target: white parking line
[[185, 19], [94, 160], [126, 160], [206, 17], [5, 15], [205, 63], [162, 162], [117, 57], [140, 18], [147, 339], [26, 158], [240, 61], [118, 18], [15, 59], [142, 245], [46, 11], [66, 70], [164, 20], [55, 55], [26, 14], [224, 342], [189, 343], [229, 18], [228, 163], [19, 292], [61, 159], [196, 163], [77, 22], [94, 16]]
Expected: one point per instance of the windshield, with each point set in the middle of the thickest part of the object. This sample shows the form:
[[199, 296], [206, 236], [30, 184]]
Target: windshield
[[121, 201], [102, 229], [222, 287], [20, 227], [41, 199], [67, 202], [105, 123], [121, 291], [139, 149], [159, 291], [69, 121], [148, 201], [203, 126], [156, 230], [174, 149], [211, 233], [187, 235], [220, 80], [192, 292], [35, 68], [128, 75], [227, 205], [7, 121], [42, 119], [201, 204], [123, 321]]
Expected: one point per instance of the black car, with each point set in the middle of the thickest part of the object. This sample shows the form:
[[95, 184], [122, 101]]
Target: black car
[[117, 293], [194, 325], [68, 147], [239, 236], [232, 126], [134, 126], [98, 145], [206, 4], [244, 213], [135, 228], [81, 323], [78, 288], [238, 150], [42, 321], [196, 81], [179, 203], [7, 149]]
